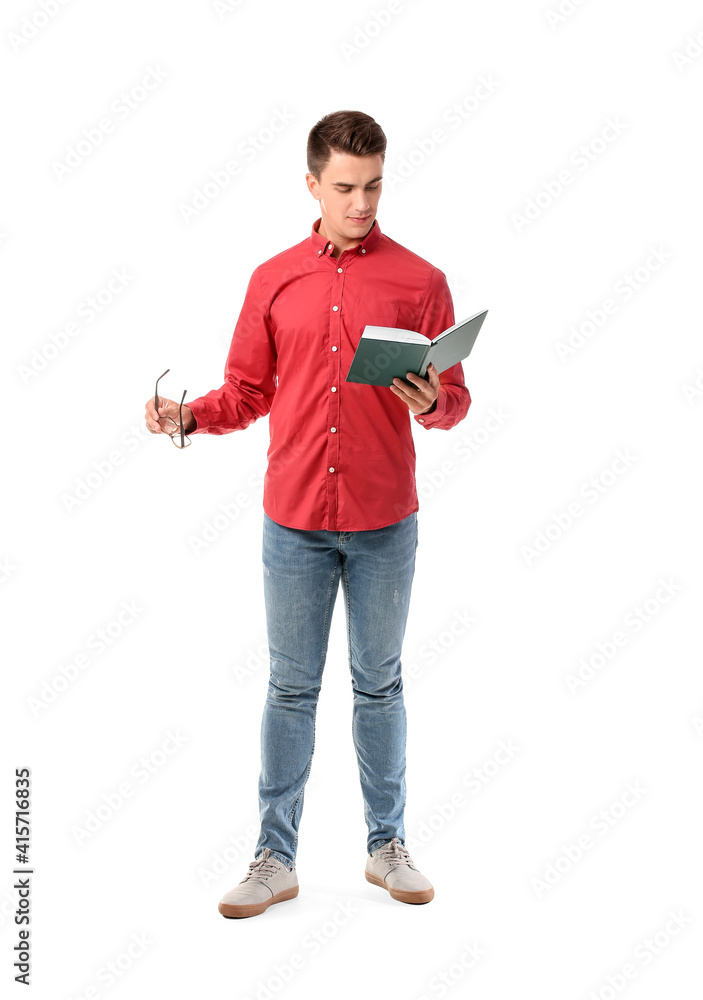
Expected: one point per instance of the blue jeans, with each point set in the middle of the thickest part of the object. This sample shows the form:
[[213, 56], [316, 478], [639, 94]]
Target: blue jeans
[[302, 570]]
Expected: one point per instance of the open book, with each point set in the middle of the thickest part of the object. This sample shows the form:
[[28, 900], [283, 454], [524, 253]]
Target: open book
[[384, 353]]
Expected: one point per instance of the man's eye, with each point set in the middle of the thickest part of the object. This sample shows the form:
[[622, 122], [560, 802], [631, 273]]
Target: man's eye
[[372, 187]]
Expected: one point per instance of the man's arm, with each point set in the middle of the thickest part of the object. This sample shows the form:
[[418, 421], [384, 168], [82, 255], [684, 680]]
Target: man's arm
[[250, 371], [453, 400]]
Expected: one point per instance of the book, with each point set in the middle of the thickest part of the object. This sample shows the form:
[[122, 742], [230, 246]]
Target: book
[[384, 352]]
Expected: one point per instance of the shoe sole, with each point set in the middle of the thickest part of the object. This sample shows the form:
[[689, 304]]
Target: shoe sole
[[253, 909], [403, 896]]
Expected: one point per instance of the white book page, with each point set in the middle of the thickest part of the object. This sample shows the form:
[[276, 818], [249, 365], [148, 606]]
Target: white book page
[[391, 333]]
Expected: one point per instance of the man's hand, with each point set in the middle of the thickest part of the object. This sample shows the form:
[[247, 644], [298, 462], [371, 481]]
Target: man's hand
[[167, 408], [421, 395]]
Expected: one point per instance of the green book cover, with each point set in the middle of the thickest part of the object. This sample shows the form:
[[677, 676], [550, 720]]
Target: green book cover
[[384, 353]]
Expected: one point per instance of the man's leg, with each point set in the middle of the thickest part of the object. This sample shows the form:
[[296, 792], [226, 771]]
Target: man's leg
[[301, 577], [377, 575]]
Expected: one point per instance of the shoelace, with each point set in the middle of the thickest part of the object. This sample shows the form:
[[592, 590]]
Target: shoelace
[[396, 854], [262, 869]]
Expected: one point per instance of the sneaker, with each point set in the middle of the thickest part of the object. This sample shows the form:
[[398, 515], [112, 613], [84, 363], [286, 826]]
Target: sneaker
[[391, 867], [267, 881]]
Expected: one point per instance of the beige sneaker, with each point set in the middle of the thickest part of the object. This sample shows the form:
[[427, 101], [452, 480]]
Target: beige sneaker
[[391, 867], [267, 881]]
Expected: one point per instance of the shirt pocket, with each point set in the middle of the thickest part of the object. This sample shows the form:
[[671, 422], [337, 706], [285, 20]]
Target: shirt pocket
[[372, 314], [385, 314]]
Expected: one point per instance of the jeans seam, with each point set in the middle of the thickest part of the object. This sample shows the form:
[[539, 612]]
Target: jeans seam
[[319, 675], [347, 594], [325, 629], [300, 793]]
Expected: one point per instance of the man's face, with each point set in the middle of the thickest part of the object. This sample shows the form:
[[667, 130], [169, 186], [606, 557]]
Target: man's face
[[348, 192]]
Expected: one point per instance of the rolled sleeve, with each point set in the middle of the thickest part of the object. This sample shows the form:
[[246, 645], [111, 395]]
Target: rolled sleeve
[[453, 400]]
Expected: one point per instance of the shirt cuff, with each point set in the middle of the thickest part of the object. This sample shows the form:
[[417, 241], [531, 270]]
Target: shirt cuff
[[433, 417], [199, 411]]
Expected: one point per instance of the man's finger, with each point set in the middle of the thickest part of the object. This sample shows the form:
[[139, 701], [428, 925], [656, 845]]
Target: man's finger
[[152, 418], [410, 382], [422, 386]]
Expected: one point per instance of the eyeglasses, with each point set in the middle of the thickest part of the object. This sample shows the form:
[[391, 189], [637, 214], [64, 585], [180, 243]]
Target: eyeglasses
[[174, 430]]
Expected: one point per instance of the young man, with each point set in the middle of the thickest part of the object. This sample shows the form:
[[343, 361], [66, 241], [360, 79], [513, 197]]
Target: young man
[[340, 500]]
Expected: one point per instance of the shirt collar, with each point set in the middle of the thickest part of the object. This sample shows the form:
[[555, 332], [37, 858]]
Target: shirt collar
[[320, 245]]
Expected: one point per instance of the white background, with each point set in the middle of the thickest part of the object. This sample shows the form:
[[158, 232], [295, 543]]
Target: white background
[[485, 205]]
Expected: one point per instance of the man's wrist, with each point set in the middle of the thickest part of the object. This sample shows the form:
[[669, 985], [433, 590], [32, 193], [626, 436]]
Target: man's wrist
[[189, 421]]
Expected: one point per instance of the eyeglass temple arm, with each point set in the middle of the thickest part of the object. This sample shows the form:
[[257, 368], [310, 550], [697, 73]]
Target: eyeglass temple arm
[[156, 391], [180, 417]]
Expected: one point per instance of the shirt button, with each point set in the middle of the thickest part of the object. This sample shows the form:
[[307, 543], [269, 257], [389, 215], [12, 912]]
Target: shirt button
[[334, 348], [319, 252], [333, 429], [331, 468], [339, 270], [335, 308], [421, 420], [363, 251], [333, 389]]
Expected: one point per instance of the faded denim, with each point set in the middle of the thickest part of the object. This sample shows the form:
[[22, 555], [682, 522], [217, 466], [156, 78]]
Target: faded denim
[[302, 570]]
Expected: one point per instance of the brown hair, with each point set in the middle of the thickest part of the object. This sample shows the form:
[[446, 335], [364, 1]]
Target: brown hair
[[350, 132]]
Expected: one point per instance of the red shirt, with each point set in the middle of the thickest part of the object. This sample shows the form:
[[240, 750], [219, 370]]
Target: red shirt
[[341, 456]]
